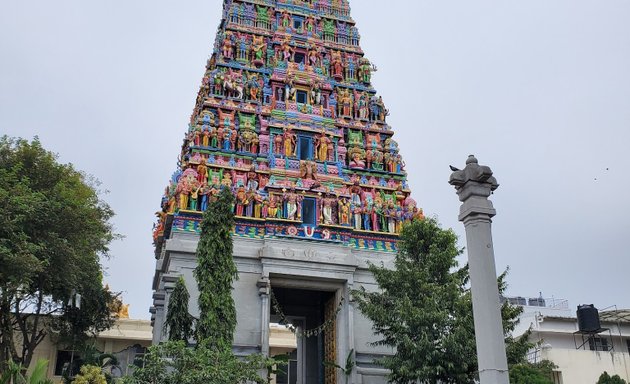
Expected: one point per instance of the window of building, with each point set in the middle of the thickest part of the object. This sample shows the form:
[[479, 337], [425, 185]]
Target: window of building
[[598, 344], [309, 211], [288, 375], [299, 57], [628, 342], [64, 361], [297, 24], [305, 148], [302, 97]]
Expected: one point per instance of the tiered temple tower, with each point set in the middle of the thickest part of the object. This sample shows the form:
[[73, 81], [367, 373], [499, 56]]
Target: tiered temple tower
[[287, 118]]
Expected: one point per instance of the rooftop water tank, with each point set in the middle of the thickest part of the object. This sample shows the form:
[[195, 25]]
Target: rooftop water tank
[[588, 318]]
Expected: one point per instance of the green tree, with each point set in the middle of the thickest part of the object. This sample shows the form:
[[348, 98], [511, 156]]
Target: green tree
[[54, 229], [215, 273], [179, 322], [527, 373], [423, 309], [605, 378]]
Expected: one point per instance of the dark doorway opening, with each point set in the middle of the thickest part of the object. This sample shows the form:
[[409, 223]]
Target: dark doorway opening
[[308, 313]]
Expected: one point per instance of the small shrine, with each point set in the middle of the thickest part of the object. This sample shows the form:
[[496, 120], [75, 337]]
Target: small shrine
[[287, 118]]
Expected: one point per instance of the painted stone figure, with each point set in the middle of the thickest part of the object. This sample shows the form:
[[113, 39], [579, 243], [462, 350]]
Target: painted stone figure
[[259, 47], [323, 146], [344, 212], [241, 201], [337, 66], [292, 200], [286, 51], [228, 46], [288, 142], [327, 204], [272, 208], [277, 144]]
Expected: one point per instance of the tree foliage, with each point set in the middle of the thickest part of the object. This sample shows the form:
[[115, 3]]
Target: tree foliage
[[423, 309], [605, 378], [179, 322], [215, 273], [54, 229], [527, 373], [175, 363]]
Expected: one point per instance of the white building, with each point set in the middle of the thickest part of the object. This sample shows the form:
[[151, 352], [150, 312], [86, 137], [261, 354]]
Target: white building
[[581, 357]]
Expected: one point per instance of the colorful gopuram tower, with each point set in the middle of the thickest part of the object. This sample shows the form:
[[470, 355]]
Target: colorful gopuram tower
[[287, 119]]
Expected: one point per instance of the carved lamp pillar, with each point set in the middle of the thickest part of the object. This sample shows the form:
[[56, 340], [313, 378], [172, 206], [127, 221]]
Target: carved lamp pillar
[[474, 184]]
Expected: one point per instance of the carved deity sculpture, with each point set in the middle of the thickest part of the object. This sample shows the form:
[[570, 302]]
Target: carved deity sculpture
[[308, 170], [252, 179], [327, 204], [241, 201], [288, 142], [310, 24], [341, 151], [374, 141], [289, 88], [357, 156], [272, 207], [316, 93], [202, 172], [277, 144], [365, 71], [336, 63], [285, 20], [228, 46], [292, 199], [286, 51], [253, 85], [322, 147], [259, 47], [344, 212], [313, 56], [344, 102]]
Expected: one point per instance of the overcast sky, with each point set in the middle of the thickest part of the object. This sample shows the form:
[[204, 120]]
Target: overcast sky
[[539, 90]]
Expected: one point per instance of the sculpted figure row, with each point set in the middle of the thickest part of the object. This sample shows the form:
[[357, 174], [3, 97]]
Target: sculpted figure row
[[365, 209]]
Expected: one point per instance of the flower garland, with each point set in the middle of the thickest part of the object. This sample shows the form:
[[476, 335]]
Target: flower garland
[[309, 332]]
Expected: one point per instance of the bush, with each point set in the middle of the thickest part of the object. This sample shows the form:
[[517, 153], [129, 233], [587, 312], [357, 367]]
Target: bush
[[174, 363], [605, 378]]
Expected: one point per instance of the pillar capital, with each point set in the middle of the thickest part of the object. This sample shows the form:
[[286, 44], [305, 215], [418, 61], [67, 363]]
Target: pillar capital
[[474, 184], [264, 286]]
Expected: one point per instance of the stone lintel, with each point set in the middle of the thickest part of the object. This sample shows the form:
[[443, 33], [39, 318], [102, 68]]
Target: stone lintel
[[181, 244]]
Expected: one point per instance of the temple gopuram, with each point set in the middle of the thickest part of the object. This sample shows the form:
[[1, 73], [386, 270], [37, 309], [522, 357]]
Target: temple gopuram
[[287, 118]]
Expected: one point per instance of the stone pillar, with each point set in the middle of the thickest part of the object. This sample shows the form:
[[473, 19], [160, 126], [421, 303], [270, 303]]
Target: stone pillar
[[264, 289], [350, 303], [474, 184], [158, 314]]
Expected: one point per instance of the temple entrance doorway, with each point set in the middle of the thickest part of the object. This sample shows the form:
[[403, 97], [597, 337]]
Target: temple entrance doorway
[[309, 317]]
